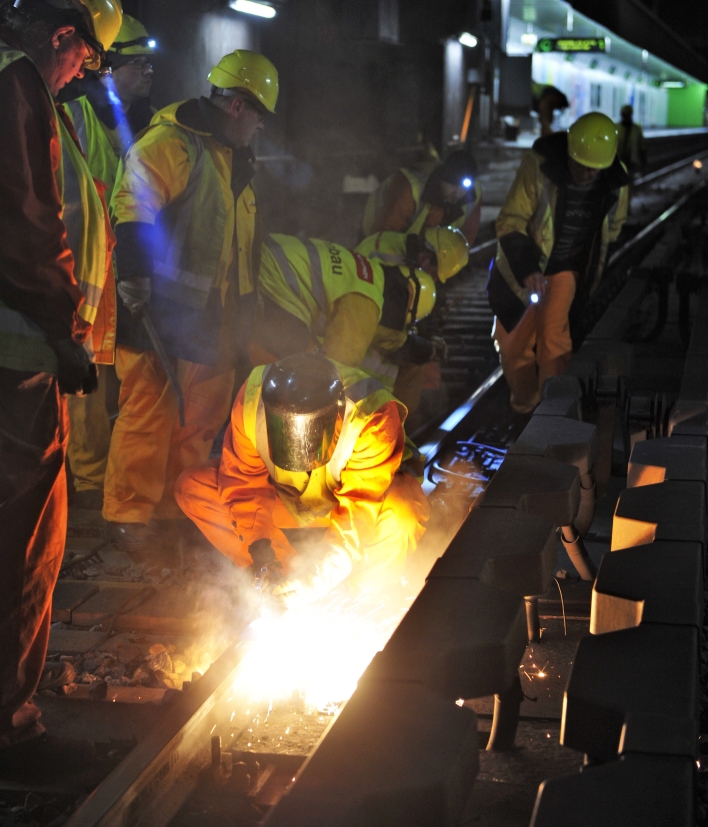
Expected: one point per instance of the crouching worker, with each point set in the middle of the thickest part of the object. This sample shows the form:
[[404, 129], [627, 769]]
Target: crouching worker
[[314, 444]]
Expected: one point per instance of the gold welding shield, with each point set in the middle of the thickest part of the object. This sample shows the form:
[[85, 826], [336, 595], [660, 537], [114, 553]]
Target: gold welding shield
[[303, 399]]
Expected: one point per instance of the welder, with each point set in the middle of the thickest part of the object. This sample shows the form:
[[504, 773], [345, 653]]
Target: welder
[[54, 246], [566, 204], [311, 444], [361, 311], [114, 108], [430, 193], [188, 251]]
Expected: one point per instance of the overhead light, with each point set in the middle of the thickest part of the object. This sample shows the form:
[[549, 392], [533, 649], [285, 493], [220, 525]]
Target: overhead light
[[529, 39], [672, 84], [152, 44], [467, 39], [249, 7]]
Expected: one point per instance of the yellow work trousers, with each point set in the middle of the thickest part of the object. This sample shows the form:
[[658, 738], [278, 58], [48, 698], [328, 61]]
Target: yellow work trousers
[[540, 345], [89, 435], [149, 448]]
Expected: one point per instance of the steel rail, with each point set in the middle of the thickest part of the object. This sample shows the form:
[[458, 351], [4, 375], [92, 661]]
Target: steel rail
[[151, 783], [155, 779]]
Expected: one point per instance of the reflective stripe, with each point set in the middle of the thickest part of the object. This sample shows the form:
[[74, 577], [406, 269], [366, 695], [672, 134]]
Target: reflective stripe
[[284, 264], [79, 120], [318, 290], [12, 321], [169, 268], [202, 284]]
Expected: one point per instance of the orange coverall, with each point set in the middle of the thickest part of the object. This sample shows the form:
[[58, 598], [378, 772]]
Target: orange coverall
[[378, 516]]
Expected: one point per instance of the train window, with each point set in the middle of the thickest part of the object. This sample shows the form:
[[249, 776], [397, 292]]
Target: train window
[[595, 95]]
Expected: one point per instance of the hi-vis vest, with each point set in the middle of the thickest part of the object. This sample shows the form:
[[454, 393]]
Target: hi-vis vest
[[22, 343], [307, 277], [309, 496], [387, 247], [103, 147], [194, 235], [417, 177]]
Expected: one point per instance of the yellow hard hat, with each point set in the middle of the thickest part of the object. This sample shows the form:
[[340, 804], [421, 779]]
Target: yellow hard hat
[[133, 38], [426, 297], [247, 70], [450, 248], [101, 21], [592, 141]]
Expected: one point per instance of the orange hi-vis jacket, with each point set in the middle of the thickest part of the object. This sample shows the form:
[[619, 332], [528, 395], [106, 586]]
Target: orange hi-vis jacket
[[348, 500]]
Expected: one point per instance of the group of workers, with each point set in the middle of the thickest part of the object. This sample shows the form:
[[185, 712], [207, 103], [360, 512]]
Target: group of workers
[[133, 237]]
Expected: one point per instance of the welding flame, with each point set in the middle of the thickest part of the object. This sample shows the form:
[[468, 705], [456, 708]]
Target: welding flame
[[318, 652]]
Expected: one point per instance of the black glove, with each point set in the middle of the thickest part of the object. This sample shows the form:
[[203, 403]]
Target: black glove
[[77, 373], [261, 552]]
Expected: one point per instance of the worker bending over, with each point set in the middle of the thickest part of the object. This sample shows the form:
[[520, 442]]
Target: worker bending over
[[106, 118], [360, 311], [311, 444], [54, 245], [188, 247], [428, 194], [396, 358], [566, 204]]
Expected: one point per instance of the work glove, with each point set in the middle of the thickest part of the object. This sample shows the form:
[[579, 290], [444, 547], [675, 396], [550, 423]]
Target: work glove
[[135, 293], [77, 373], [440, 349], [267, 569], [315, 579]]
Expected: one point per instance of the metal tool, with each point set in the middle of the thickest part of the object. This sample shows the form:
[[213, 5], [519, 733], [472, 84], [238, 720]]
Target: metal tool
[[165, 361]]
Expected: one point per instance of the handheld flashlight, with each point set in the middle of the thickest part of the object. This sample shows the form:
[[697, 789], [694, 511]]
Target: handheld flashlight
[[534, 298]]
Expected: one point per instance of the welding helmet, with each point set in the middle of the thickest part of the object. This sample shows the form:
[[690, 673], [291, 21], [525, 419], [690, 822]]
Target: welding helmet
[[459, 169], [97, 22], [450, 248], [592, 141], [423, 298], [303, 399], [133, 39], [250, 71]]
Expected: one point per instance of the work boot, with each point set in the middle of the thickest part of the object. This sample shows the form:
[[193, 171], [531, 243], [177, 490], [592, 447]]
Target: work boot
[[137, 540], [50, 760], [90, 500]]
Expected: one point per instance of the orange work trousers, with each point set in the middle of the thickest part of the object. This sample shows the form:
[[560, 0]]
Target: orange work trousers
[[149, 448], [33, 512], [540, 345], [400, 525], [89, 435]]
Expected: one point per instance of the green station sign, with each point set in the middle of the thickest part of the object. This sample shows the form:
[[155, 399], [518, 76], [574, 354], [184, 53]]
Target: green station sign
[[571, 44]]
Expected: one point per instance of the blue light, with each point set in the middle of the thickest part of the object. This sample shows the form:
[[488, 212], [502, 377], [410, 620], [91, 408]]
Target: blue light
[[152, 44], [534, 298], [466, 183]]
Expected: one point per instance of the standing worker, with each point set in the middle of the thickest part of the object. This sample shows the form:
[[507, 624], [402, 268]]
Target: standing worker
[[45, 319], [429, 194], [546, 101], [106, 130], [631, 147], [311, 444], [566, 204], [188, 252]]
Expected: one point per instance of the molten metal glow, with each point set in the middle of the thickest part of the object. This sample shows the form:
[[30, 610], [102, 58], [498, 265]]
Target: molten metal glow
[[317, 652]]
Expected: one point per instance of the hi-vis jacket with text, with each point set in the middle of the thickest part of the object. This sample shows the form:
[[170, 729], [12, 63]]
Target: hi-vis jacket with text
[[185, 215]]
